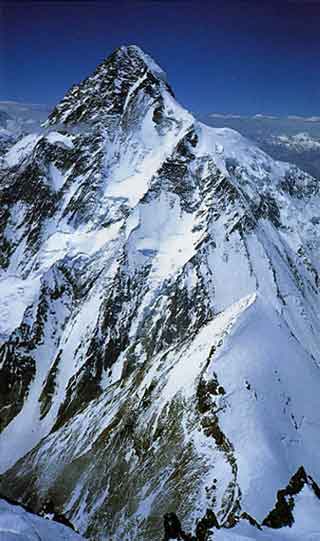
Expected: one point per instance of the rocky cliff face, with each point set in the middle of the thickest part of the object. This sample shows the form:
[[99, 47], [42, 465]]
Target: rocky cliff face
[[158, 315]]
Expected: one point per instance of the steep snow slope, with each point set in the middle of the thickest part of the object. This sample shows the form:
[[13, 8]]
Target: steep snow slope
[[159, 321], [16, 524]]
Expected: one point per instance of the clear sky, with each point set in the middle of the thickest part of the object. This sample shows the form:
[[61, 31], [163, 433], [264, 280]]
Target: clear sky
[[237, 56]]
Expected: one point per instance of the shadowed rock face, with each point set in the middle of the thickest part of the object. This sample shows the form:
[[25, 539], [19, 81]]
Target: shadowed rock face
[[107, 91], [172, 528], [204, 528], [17, 373], [158, 315], [283, 512]]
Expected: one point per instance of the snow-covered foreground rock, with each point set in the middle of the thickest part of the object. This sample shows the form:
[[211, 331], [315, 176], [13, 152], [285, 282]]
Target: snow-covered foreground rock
[[16, 524], [159, 317]]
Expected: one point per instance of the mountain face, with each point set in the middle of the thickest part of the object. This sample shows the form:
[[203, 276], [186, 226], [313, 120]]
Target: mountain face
[[293, 139], [159, 320]]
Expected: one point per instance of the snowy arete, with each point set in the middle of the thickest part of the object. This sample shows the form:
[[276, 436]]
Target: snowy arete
[[159, 321]]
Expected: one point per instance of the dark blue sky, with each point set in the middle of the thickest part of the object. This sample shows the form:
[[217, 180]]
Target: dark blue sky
[[245, 57]]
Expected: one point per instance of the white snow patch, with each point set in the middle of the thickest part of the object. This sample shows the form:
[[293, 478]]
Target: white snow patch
[[16, 524], [56, 176], [21, 150], [186, 370], [73, 243], [15, 295], [58, 138]]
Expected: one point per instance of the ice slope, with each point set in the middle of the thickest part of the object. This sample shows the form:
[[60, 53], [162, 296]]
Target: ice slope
[[16, 524], [159, 314], [269, 394]]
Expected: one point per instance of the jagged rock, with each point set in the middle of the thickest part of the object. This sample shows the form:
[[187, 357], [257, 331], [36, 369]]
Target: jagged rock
[[172, 528], [203, 532], [283, 512]]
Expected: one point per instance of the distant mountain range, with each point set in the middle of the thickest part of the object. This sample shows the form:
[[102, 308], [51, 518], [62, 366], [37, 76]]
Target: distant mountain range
[[293, 139], [18, 119]]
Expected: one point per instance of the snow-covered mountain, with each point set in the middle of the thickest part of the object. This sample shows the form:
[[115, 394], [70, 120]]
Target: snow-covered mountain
[[21, 118], [18, 119], [300, 141], [294, 139], [159, 320]]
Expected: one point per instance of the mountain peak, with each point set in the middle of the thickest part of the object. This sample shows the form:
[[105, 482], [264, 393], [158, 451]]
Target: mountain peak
[[105, 93], [134, 51]]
